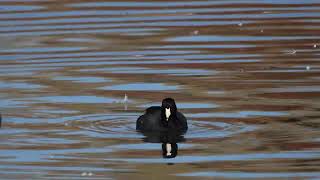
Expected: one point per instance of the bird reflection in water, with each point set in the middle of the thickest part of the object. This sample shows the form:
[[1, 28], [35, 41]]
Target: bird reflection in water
[[169, 150], [168, 139]]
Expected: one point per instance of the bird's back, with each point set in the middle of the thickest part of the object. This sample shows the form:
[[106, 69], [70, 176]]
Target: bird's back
[[153, 110], [183, 121], [151, 120]]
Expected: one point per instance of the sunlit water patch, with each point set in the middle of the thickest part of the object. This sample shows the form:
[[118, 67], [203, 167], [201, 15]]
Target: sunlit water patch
[[20, 85], [17, 120], [14, 103], [233, 38], [221, 158], [253, 175], [240, 114], [293, 89], [22, 70], [13, 8], [142, 87], [82, 79], [171, 71], [217, 46], [42, 49], [76, 99], [56, 111]]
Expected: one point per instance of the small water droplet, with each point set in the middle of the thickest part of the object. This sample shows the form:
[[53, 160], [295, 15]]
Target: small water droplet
[[125, 99], [291, 52], [307, 67], [196, 32]]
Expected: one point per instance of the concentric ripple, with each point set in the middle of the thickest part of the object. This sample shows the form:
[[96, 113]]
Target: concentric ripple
[[124, 126], [206, 129], [107, 125]]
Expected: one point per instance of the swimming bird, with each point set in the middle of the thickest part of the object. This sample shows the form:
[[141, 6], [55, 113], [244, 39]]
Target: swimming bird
[[162, 118]]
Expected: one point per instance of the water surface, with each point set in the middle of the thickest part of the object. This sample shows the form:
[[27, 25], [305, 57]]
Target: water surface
[[245, 73]]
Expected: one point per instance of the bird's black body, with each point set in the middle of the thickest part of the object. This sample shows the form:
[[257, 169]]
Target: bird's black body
[[154, 119]]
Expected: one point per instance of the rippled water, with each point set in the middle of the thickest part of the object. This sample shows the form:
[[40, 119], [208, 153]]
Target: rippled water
[[245, 73]]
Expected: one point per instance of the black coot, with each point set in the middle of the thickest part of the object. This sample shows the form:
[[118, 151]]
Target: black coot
[[164, 118]]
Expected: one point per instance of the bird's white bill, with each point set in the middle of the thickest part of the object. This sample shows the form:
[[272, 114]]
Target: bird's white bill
[[168, 147], [168, 113]]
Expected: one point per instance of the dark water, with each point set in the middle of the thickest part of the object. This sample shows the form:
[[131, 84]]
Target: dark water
[[245, 73]]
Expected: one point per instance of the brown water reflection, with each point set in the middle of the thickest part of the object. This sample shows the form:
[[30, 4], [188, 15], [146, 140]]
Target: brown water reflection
[[245, 73]]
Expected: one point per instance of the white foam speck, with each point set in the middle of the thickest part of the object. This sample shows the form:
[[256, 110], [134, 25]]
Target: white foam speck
[[307, 67]]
